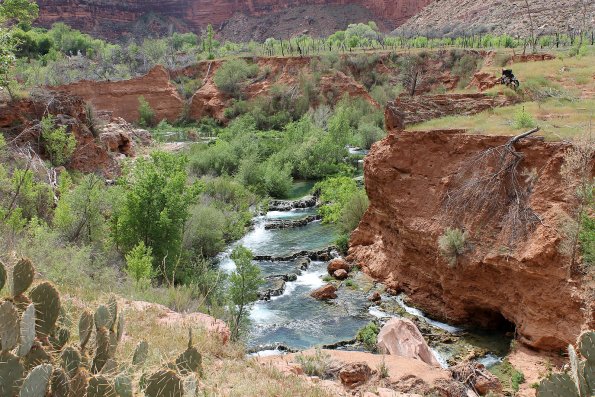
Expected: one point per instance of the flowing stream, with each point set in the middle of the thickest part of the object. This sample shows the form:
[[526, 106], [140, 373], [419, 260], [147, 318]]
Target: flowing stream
[[297, 321]]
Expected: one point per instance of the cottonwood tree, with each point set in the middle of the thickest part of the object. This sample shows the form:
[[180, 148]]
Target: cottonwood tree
[[243, 290], [155, 209], [413, 72]]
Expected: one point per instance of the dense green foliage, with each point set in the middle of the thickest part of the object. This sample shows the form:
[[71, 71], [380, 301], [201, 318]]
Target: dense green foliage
[[139, 264], [146, 114], [155, 209], [230, 76], [368, 335], [58, 143]]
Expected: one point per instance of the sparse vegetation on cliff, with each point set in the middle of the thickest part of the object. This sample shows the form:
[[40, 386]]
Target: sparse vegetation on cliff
[[452, 244]]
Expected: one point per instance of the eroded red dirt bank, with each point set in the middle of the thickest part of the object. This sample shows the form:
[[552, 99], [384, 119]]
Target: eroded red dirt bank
[[408, 175]]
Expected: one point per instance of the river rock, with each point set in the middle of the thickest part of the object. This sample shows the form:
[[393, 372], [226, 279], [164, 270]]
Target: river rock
[[400, 337], [355, 374], [325, 292], [340, 274], [292, 277], [302, 263], [375, 297], [274, 286], [336, 264]]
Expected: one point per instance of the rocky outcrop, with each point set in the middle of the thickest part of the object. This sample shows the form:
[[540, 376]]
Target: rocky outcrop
[[321, 255], [497, 283], [337, 264], [477, 377], [400, 337], [407, 110], [113, 19], [460, 17], [355, 374], [120, 137], [20, 121], [121, 98]]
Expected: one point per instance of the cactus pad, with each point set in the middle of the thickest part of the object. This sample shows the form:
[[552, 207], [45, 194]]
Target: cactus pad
[[79, 383], [2, 275], [100, 386], [189, 361], [71, 360], [60, 338], [85, 328], [120, 328], [22, 276], [164, 383], [123, 386], [589, 376], [47, 308], [112, 306], [36, 356], [102, 350], [103, 317], [11, 374], [37, 382], [59, 383], [141, 352], [557, 385], [27, 330], [586, 345], [9, 326]]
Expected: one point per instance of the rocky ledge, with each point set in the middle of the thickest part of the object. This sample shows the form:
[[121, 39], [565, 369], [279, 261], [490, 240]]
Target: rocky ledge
[[288, 224], [288, 205], [325, 254]]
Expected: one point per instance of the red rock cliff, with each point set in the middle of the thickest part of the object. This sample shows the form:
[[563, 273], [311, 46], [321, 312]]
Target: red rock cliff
[[407, 177], [101, 15]]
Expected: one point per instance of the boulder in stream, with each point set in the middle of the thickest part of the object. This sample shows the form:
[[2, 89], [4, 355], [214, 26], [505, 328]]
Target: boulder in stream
[[401, 337], [325, 292], [336, 264], [340, 274]]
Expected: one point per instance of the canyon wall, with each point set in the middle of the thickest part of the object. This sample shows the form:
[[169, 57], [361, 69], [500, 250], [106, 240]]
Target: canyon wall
[[498, 280], [110, 19], [121, 98]]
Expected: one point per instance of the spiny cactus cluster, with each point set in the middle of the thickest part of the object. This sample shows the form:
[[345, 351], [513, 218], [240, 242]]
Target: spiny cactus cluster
[[580, 382], [36, 359]]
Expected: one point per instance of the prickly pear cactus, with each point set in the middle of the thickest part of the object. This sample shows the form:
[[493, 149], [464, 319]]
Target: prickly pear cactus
[[100, 386], [164, 383], [59, 383], [47, 308], [123, 386], [557, 385], [120, 328], [112, 307], [9, 326], [37, 356], [60, 338], [2, 275], [22, 276], [79, 383], [27, 331], [586, 345], [102, 350], [190, 361], [11, 374], [37, 382], [103, 317], [141, 352], [71, 360], [85, 328]]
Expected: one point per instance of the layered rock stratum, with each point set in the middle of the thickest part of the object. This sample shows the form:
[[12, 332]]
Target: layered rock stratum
[[112, 19], [501, 279]]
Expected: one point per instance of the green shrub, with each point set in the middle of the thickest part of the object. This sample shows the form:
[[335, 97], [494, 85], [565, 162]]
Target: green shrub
[[146, 114], [522, 119], [587, 239], [58, 143], [230, 76], [368, 335], [369, 134], [139, 264], [353, 211], [342, 243], [204, 232], [335, 193], [452, 244], [318, 364]]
